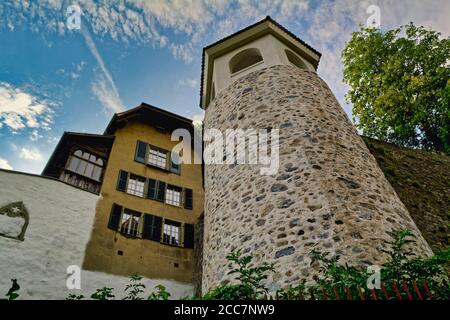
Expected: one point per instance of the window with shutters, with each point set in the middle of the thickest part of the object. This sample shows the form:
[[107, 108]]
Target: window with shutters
[[171, 233], [157, 157], [129, 223], [155, 228], [173, 195], [136, 185]]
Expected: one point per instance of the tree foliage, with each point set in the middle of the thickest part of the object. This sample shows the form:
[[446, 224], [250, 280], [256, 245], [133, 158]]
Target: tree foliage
[[399, 85]]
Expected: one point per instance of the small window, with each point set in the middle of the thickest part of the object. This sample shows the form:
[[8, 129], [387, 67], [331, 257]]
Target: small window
[[73, 165], [82, 167], [157, 157], [136, 185], [245, 59], [89, 170], [129, 224], [97, 173], [173, 195], [171, 233], [296, 60]]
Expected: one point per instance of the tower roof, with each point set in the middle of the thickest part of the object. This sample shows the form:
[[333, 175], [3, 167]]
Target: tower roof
[[246, 35]]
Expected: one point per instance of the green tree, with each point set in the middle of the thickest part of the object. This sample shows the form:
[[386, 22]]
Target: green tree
[[399, 85]]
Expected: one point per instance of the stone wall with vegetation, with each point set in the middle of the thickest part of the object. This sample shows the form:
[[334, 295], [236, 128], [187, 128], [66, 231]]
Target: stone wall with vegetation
[[329, 193], [422, 181]]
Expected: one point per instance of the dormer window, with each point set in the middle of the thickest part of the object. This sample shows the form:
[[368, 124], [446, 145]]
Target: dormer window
[[245, 59], [85, 164], [296, 60]]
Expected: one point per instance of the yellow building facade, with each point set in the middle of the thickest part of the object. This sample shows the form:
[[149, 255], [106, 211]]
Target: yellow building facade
[[149, 204]]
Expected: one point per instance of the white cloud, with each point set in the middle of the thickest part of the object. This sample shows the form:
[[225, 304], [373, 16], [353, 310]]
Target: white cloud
[[104, 87], [192, 83], [30, 154], [183, 27], [35, 135], [75, 73], [19, 109], [5, 165], [108, 98]]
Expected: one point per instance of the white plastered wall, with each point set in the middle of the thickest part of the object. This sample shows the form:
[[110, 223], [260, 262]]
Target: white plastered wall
[[61, 219]]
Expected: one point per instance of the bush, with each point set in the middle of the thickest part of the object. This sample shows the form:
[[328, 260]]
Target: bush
[[333, 281]]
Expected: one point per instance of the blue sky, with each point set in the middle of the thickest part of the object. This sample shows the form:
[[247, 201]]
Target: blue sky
[[53, 79]]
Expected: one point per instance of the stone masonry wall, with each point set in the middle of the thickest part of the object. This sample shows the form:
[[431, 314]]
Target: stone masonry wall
[[329, 192]]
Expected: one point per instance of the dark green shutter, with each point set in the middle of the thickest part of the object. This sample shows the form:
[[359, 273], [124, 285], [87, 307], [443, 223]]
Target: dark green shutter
[[152, 227], [161, 192], [151, 190], [141, 152], [189, 236], [157, 228], [188, 198], [147, 230], [122, 181], [114, 218]]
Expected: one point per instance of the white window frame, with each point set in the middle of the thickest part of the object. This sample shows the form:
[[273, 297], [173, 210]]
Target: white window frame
[[173, 232], [128, 230], [136, 185], [173, 195], [157, 157]]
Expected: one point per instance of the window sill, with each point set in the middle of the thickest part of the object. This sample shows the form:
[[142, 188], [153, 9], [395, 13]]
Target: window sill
[[158, 168], [173, 205], [129, 236], [139, 237], [233, 75], [173, 245]]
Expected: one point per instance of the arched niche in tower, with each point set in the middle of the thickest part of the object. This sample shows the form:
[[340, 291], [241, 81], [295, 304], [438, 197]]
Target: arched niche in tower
[[296, 60], [245, 59]]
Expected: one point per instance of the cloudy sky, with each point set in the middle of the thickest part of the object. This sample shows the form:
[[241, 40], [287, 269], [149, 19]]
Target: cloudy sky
[[54, 78]]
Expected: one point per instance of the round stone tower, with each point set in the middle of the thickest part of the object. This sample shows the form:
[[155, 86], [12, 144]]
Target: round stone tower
[[328, 192]]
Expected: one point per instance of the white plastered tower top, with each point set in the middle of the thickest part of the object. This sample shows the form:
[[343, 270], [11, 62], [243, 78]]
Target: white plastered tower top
[[262, 45]]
